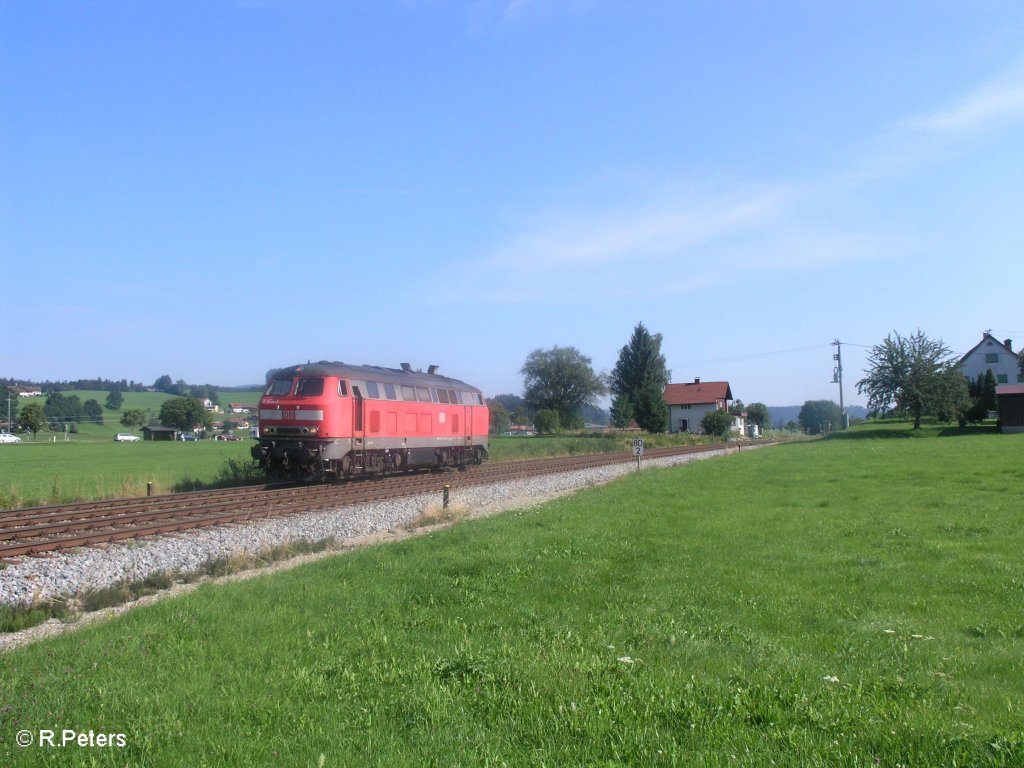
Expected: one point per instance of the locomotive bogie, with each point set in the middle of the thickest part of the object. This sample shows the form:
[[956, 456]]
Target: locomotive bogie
[[331, 420]]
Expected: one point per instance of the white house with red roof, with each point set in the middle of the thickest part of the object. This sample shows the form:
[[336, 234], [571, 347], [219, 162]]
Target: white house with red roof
[[688, 403]]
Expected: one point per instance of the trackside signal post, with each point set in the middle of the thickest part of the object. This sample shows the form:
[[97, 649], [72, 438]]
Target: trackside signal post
[[638, 450]]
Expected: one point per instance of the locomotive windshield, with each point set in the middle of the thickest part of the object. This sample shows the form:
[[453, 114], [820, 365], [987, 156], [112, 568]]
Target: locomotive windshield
[[279, 387], [309, 387]]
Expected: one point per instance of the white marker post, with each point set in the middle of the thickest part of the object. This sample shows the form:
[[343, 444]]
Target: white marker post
[[638, 450]]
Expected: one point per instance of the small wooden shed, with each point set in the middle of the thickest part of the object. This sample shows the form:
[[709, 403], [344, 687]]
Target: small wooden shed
[[159, 433], [1011, 407]]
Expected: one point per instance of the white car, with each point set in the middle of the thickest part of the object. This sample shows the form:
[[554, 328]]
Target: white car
[[7, 437], [124, 437]]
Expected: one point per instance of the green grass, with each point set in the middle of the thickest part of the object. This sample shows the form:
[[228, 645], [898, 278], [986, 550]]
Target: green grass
[[43, 473], [847, 602]]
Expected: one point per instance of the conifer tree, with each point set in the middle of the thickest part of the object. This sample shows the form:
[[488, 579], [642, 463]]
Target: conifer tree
[[639, 378]]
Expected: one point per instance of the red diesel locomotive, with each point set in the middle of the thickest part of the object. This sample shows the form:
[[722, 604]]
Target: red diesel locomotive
[[331, 420]]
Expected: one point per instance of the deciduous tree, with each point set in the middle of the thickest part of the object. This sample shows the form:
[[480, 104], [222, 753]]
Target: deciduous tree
[[133, 418], [915, 376], [185, 414], [757, 413], [32, 418], [560, 379], [92, 411], [820, 416]]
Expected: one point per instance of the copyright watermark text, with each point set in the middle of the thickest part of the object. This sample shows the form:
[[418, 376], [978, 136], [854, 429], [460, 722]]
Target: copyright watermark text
[[67, 737]]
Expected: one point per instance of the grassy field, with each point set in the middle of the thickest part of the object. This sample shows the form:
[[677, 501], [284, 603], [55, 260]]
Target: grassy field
[[44, 473], [55, 467], [847, 602], [92, 466]]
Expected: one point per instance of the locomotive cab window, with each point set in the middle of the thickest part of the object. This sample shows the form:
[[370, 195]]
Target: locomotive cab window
[[309, 387], [342, 388], [279, 387]]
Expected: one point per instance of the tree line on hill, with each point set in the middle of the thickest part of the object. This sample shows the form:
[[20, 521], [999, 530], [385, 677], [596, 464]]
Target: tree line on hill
[[63, 412]]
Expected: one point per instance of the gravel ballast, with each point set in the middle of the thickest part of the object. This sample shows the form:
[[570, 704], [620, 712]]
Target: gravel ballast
[[75, 572]]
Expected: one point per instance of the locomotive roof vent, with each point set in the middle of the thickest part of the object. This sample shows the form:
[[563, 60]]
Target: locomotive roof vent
[[406, 367], [432, 370]]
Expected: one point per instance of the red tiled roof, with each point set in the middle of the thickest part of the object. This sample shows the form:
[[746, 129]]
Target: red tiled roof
[[697, 393], [1010, 389]]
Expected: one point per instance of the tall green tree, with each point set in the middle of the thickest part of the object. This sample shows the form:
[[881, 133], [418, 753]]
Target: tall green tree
[[621, 411], [820, 416], [133, 418], [92, 411], [32, 418], [638, 381], [114, 400], [757, 413], [560, 379], [915, 376], [63, 408], [185, 414], [499, 417]]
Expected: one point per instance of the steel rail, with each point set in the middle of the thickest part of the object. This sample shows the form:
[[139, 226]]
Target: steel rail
[[37, 530]]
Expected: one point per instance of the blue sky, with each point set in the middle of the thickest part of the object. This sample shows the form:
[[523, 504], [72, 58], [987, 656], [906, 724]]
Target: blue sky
[[213, 189]]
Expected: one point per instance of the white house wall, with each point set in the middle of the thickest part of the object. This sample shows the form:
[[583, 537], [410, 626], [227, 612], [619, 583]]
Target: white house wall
[[694, 415], [1006, 367]]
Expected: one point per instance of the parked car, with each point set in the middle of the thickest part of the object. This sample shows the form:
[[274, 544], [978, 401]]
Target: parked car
[[7, 437], [227, 437], [188, 438], [124, 437]]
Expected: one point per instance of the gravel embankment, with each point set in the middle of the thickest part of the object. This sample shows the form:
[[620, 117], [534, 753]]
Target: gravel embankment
[[71, 573]]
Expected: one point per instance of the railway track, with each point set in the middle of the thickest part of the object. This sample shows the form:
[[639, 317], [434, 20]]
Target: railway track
[[39, 530]]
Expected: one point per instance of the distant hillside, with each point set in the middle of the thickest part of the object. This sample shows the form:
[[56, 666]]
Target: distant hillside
[[783, 414]]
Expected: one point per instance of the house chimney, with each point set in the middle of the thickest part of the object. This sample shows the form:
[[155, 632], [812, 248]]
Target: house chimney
[[406, 367], [696, 379], [1009, 344]]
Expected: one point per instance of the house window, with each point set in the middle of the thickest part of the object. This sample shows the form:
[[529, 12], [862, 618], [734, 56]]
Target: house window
[[1001, 379], [684, 425], [1020, 378], [992, 357]]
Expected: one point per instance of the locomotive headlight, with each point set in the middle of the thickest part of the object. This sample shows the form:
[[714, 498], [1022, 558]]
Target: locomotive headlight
[[314, 431], [271, 430]]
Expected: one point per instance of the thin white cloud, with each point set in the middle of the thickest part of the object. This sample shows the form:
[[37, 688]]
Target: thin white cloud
[[706, 236], [917, 139], [664, 228], [990, 104]]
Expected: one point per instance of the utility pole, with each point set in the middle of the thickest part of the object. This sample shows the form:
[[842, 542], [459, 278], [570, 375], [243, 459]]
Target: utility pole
[[837, 378]]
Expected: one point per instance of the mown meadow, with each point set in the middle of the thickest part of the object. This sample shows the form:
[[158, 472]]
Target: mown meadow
[[845, 602]]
